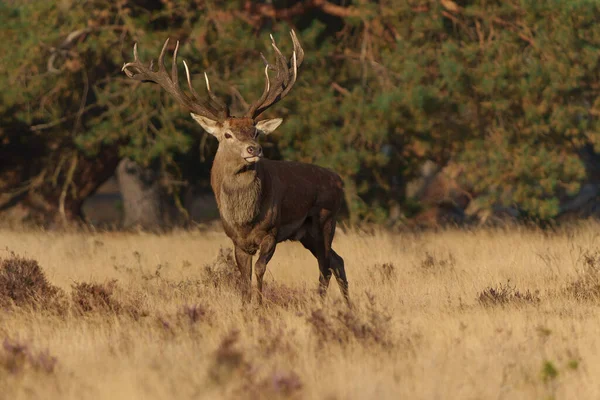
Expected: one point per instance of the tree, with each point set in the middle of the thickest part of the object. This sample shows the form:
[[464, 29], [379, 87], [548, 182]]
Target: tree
[[509, 90]]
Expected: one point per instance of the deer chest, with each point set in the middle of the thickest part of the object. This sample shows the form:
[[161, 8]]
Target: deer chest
[[238, 210]]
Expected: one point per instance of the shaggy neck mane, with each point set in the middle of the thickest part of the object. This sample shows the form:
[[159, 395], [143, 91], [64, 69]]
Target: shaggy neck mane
[[239, 193]]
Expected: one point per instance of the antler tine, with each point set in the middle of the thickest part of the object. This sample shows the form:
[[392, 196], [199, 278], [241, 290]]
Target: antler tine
[[265, 92], [211, 94], [161, 57], [189, 81], [297, 48], [135, 60], [281, 63], [282, 78], [263, 97], [287, 73], [174, 72], [214, 98], [262, 56], [207, 81], [294, 76]]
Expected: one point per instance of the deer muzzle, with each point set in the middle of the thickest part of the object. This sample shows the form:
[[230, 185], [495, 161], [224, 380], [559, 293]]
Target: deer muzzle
[[252, 153]]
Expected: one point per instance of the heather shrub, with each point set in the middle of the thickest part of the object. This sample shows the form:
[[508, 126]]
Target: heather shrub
[[343, 325], [222, 272], [231, 364], [586, 287], [23, 283], [16, 357], [100, 298], [507, 294]]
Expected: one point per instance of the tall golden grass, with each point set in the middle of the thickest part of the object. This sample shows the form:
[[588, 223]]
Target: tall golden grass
[[454, 314]]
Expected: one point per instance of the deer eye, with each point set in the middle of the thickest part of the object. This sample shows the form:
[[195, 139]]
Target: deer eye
[[227, 136]]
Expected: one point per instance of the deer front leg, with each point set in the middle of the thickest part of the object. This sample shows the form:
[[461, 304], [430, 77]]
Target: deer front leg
[[267, 249], [244, 264]]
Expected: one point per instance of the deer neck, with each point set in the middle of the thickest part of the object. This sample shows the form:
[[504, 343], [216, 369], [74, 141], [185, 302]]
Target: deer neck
[[238, 191]]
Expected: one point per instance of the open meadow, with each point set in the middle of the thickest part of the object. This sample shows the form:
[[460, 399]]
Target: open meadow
[[484, 314]]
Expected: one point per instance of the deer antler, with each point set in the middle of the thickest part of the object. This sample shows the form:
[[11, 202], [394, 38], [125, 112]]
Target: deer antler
[[214, 109], [287, 73]]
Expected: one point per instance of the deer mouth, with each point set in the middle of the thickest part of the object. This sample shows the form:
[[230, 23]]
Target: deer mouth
[[252, 159]]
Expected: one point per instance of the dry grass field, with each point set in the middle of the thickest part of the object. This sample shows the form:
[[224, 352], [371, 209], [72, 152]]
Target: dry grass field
[[449, 315]]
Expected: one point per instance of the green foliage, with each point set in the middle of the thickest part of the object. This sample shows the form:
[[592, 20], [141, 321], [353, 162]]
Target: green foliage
[[508, 89], [549, 371]]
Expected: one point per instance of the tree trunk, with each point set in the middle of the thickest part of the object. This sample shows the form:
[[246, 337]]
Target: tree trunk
[[39, 205], [144, 203]]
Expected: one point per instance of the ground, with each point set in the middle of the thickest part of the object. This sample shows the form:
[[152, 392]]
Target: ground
[[451, 314]]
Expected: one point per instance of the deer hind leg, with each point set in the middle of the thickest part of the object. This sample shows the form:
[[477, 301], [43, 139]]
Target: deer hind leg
[[328, 259], [337, 264], [267, 249], [244, 264], [318, 241], [316, 248], [327, 232]]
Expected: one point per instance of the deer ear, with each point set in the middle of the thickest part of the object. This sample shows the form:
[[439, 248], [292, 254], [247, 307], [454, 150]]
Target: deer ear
[[267, 126], [210, 126]]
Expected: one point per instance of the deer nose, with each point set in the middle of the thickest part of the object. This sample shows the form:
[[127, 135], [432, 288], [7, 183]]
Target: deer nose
[[254, 150]]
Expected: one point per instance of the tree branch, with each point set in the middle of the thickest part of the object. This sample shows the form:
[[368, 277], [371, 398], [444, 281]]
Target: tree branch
[[269, 11], [63, 193], [335, 86]]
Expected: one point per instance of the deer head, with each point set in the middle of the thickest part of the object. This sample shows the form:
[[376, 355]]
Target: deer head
[[237, 136]]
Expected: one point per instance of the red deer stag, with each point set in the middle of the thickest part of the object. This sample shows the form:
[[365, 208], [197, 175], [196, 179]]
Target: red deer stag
[[261, 202]]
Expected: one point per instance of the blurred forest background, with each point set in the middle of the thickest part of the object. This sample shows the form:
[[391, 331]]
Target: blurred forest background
[[432, 111]]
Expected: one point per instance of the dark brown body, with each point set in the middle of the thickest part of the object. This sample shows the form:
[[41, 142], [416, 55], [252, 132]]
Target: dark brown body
[[295, 201]]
